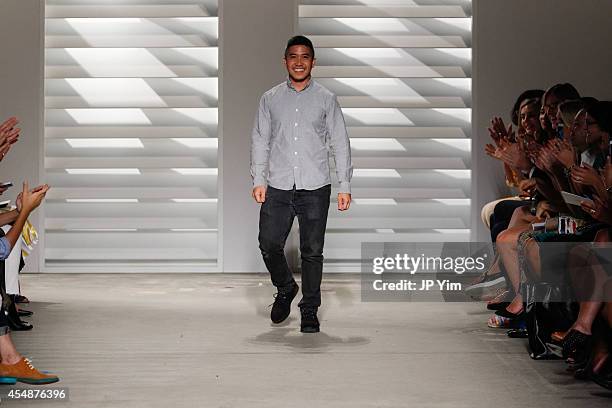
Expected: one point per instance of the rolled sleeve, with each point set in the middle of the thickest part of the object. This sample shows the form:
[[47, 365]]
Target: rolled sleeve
[[260, 144], [5, 248], [340, 145]]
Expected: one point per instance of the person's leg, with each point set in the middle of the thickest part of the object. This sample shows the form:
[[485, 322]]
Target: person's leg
[[8, 352], [587, 278], [503, 213], [507, 246], [275, 220], [312, 208]]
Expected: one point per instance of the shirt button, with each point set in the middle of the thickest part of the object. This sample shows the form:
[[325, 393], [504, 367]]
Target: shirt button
[[296, 124], [295, 167], [295, 138], [297, 110], [296, 153]]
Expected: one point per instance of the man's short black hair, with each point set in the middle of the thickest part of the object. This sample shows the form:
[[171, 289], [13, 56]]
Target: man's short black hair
[[602, 113], [300, 40]]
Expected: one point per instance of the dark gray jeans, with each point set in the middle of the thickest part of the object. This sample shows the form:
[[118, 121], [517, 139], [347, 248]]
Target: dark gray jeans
[[275, 221]]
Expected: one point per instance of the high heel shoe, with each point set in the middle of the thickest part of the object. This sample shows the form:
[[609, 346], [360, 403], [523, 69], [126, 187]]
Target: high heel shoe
[[24, 313], [603, 378], [577, 345], [15, 323], [588, 371]]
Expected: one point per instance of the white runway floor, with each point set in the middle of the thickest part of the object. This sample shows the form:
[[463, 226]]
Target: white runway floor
[[206, 341]]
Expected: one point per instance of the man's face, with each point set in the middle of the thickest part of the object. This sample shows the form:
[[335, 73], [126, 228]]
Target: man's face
[[299, 62]]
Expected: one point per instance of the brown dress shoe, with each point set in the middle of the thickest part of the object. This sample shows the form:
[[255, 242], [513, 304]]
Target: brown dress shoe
[[25, 372]]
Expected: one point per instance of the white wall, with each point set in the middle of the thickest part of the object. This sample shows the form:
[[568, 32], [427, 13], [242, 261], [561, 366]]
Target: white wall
[[21, 95], [524, 44], [253, 34]]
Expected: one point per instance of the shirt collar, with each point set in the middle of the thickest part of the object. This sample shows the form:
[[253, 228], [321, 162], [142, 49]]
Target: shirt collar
[[290, 85]]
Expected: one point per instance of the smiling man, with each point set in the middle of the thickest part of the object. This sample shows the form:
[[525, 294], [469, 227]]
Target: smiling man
[[298, 124]]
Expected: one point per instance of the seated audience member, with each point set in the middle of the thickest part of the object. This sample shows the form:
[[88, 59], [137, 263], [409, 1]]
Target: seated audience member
[[13, 366], [496, 214]]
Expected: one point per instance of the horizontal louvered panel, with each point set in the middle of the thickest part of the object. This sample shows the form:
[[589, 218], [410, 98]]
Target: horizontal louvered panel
[[129, 162], [411, 147], [147, 193], [131, 62], [113, 41], [389, 71], [162, 178], [167, 209], [420, 88], [393, 41], [206, 251], [127, 11], [395, 57], [460, 27], [149, 116], [136, 148], [348, 11], [141, 132], [394, 223], [347, 246], [407, 117], [433, 178], [131, 93], [407, 132], [410, 163], [401, 102], [173, 223], [408, 192]]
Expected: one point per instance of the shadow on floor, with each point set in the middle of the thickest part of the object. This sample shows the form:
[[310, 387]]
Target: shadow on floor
[[293, 339]]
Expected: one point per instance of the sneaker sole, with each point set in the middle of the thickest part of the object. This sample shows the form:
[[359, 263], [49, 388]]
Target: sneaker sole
[[310, 330], [480, 289], [8, 380], [37, 382]]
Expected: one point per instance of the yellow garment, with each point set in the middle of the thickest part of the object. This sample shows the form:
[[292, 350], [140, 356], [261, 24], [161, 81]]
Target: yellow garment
[[29, 236]]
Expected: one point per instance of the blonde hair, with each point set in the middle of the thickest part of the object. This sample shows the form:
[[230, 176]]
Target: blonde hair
[[569, 110]]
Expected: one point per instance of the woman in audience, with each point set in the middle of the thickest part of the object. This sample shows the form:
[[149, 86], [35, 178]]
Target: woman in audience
[[496, 214]]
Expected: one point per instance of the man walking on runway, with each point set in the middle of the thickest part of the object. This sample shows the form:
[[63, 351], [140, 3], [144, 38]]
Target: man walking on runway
[[297, 124]]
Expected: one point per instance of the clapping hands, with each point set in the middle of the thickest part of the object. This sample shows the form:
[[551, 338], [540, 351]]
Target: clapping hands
[[9, 134]]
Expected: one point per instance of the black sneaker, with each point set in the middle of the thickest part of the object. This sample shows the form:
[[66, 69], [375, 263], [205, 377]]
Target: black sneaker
[[282, 304], [310, 323]]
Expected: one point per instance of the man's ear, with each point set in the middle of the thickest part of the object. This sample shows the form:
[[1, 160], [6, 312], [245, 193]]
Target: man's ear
[[314, 62]]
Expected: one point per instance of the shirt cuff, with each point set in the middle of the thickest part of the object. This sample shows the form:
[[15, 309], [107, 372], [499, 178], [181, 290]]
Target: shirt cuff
[[259, 181], [5, 248], [345, 188]]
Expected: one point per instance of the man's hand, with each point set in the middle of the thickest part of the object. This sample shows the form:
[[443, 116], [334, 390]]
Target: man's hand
[[344, 201], [259, 194]]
